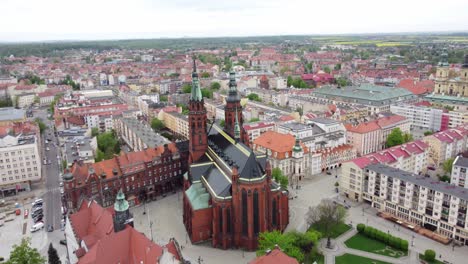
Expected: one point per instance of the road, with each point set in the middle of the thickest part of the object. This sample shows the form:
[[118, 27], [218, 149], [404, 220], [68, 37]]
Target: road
[[51, 173]]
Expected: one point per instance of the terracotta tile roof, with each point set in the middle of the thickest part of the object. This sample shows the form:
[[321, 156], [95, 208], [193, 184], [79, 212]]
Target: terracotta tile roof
[[389, 120], [421, 87], [276, 256], [363, 127], [362, 162], [277, 142]]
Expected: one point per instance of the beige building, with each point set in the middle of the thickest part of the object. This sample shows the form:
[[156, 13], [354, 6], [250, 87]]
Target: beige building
[[411, 157], [447, 84], [365, 137], [177, 123], [20, 163], [446, 144]]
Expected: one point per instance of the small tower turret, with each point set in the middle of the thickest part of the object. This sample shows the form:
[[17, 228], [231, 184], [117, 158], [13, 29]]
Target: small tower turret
[[122, 215]]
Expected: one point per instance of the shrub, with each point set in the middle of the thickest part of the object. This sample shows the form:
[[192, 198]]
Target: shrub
[[392, 241], [404, 245], [367, 231], [429, 255], [360, 228]]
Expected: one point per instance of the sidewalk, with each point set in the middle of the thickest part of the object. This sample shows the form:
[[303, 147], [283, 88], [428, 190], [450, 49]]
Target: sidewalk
[[340, 249]]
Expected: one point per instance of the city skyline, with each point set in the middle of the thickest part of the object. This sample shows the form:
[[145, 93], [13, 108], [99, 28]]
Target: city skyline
[[51, 20]]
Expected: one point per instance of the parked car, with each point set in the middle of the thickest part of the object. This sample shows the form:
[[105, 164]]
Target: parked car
[[38, 219], [431, 168], [26, 213], [63, 242], [328, 173], [37, 201], [50, 228], [37, 227], [18, 211]]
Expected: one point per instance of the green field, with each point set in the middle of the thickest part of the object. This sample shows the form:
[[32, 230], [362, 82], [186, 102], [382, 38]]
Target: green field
[[336, 232], [354, 259], [361, 242]]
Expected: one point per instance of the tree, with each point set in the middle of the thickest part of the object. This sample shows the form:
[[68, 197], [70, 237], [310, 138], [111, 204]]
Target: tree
[[254, 119], [327, 215], [429, 255], [276, 173], [163, 98], [215, 86], [94, 131], [53, 255], [342, 82], [254, 97], [395, 138], [222, 123], [444, 178], [157, 124], [108, 145], [42, 126], [186, 88], [447, 165], [24, 254], [407, 137], [207, 93], [326, 69], [428, 133], [289, 81], [205, 75]]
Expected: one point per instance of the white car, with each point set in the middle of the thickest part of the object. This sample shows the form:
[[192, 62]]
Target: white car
[[37, 227], [47, 149], [37, 201]]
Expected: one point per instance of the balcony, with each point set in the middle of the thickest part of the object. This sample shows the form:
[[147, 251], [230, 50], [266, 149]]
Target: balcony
[[461, 224]]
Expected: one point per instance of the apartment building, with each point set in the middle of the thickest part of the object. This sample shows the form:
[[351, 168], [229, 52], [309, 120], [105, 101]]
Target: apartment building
[[437, 206], [20, 159], [420, 117], [177, 123], [411, 157], [389, 123], [104, 123], [446, 144], [254, 130], [267, 96], [459, 168], [137, 134]]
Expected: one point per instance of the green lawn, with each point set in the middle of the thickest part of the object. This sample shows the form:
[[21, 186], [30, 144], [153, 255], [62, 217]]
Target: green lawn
[[421, 257], [354, 259], [361, 242], [336, 232]]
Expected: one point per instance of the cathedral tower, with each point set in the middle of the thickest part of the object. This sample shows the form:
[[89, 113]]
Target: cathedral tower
[[233, 111], [197, 120]]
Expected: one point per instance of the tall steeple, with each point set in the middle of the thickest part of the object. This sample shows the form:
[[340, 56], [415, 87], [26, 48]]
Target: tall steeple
[[233, 96], [196, 94], [122, 215], [198, 141]]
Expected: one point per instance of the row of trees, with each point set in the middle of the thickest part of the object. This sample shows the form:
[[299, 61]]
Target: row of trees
[[383, 237], [254, 97]]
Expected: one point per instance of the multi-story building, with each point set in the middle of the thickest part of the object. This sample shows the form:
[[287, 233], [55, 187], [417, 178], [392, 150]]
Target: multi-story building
[[25, 99], [138, 135], [446, 144], [447, 85], [459, 172], [254, 130], [332, 158], [20, 158], [389, 123], [230, 196], [377, 98], [421, 117], [177, 123], [411, 157], [436, 206], [11, 114], [365, 137], [278, 98], [286, 153], [141, 175], [456, 118], [104, 123]]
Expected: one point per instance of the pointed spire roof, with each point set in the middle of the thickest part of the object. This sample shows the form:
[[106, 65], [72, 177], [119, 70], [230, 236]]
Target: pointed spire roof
[[196, 94]]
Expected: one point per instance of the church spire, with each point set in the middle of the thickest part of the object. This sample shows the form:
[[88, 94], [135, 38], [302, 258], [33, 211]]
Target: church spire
[[196, 94], [297, 147]]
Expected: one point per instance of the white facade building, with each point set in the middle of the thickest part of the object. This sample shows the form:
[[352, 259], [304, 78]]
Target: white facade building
[[421, 117], [459, 168], [20, 163]]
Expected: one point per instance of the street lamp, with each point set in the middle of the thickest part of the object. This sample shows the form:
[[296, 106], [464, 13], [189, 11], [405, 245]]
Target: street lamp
[[144, 207], [151, 230]]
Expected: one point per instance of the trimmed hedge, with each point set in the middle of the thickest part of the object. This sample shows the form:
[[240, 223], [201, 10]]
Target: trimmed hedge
[[429, 255], [383, 237]]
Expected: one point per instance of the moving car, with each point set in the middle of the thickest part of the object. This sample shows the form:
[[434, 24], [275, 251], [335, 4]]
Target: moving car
[[37, 227]]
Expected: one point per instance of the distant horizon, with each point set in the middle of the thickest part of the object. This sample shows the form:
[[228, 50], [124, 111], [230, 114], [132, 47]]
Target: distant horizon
[[58, 20], [357, 34]]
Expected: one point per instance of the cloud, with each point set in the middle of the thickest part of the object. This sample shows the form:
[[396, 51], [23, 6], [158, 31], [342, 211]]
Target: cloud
[[103, 19]]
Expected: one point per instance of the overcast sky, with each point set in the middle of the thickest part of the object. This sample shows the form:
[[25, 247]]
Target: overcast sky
[[33, 20]]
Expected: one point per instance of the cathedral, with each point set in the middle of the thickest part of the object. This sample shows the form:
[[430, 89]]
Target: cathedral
[[448, 85], [229, 194]]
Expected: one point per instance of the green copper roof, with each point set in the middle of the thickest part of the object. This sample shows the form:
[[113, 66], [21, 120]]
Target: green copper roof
[[120, 204], [198, 196], [297, 147], [196, 90]]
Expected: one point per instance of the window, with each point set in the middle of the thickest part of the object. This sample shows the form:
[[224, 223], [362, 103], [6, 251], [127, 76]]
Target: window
[[244, 213], [256, 212]]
